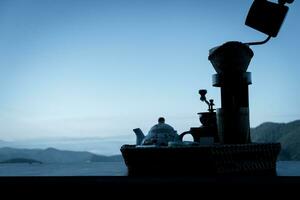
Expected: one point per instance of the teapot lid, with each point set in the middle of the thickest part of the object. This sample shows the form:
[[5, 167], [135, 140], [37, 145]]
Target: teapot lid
[[162, 127]]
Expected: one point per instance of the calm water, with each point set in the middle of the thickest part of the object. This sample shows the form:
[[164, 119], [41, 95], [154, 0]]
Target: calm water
[[284, 168], [81, 169]]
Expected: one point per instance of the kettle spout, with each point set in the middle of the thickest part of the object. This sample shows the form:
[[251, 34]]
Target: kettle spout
[[139, 136]]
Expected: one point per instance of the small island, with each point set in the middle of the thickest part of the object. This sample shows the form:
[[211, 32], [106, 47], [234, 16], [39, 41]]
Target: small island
[[20, 160]]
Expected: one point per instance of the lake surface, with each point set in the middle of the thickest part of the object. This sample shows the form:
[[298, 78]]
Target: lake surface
[[74, 169], [284, 168]]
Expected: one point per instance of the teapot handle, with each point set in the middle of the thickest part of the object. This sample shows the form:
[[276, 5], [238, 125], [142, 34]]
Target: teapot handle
[[183, 134]]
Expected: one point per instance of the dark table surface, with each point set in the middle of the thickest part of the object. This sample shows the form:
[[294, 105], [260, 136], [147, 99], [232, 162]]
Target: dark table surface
[[150, 186]]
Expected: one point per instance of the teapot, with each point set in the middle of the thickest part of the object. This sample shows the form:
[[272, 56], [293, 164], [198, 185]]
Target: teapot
[[159, 135]]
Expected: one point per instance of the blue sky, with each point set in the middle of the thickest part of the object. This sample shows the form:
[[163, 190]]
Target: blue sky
[[87, 68]]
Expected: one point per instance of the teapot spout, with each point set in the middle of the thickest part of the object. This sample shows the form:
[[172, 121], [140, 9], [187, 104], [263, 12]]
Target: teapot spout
[[139, 136]]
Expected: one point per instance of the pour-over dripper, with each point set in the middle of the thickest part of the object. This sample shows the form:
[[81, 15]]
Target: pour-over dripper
[[231, 57]]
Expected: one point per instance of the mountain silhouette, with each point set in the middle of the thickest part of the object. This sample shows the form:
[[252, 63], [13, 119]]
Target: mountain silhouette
[[288, 134], [52, 155]]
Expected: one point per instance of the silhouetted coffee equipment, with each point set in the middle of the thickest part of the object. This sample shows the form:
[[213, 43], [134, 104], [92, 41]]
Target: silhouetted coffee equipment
[[267, 17], [222, 142], [231, 61], [207, 132]]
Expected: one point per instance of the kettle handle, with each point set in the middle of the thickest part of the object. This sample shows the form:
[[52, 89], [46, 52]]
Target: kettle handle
[[183, 134]]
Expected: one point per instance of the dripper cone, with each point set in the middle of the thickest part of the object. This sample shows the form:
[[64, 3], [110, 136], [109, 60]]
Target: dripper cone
[[231, 57]]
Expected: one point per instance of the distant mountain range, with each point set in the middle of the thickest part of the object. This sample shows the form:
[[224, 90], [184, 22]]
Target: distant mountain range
[[288, 134], [51, 155], [97, 145]]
